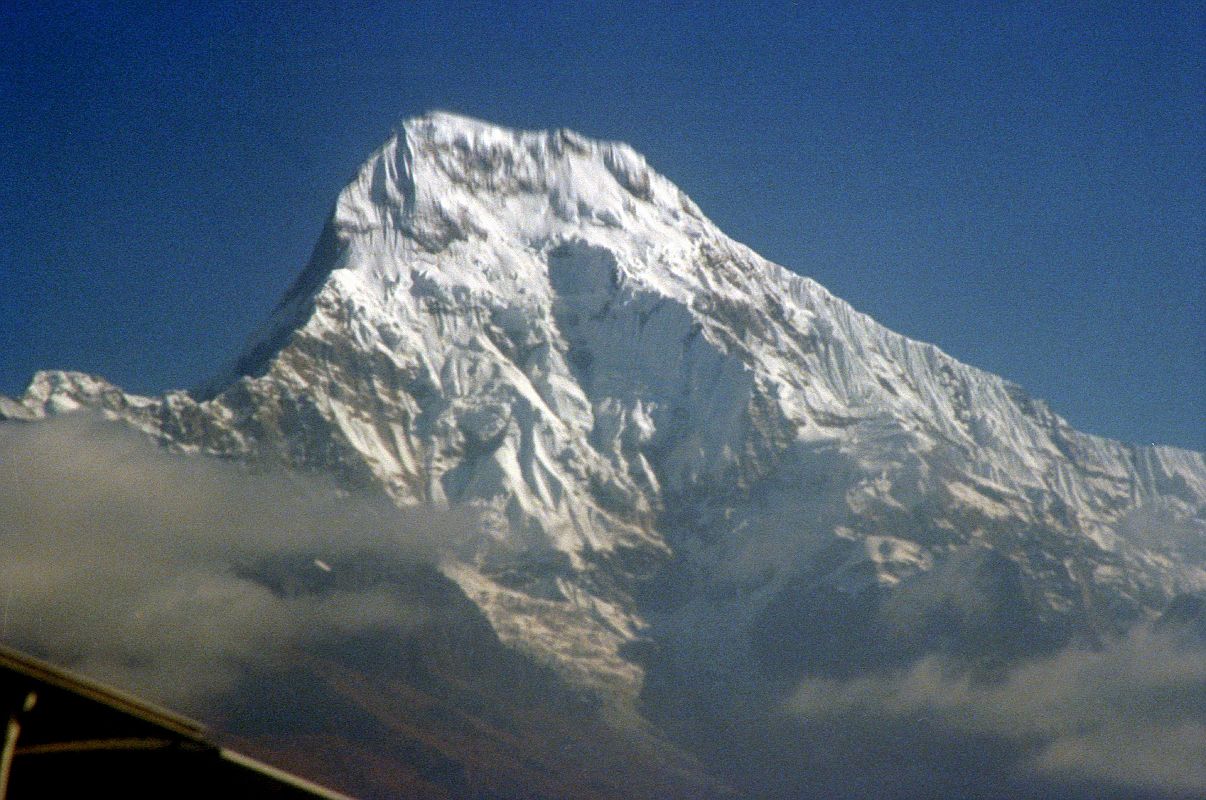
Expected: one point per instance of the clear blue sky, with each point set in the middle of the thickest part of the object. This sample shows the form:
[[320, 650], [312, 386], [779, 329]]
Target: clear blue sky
[[1025, 188]]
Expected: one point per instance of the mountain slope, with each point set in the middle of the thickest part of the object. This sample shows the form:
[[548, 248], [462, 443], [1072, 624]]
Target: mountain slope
[[667, 438]]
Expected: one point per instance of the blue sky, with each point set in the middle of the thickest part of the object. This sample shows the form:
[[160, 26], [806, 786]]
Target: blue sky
[[1025, 188]]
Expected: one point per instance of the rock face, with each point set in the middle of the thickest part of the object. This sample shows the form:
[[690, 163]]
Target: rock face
[[668, 438]]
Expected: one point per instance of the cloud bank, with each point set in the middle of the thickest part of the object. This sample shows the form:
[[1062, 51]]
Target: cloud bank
[[171, 576], [1131, 716]]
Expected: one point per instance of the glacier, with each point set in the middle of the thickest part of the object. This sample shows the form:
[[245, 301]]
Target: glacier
[[670, 444]]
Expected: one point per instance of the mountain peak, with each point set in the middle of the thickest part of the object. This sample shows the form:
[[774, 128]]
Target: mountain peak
[[469, 206], [539, 326], [442, 177]]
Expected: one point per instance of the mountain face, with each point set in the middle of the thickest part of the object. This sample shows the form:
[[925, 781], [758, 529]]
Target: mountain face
[[685, 460]]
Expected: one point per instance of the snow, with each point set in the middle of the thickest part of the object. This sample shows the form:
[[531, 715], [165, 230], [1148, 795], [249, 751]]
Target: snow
[[542, 327]]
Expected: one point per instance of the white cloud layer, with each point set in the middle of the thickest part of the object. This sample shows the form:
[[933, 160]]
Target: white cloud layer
[[1130, 715], [133, 565]]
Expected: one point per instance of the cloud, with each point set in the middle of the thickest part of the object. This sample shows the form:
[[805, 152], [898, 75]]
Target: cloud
[[1131, 716], [171, 576]]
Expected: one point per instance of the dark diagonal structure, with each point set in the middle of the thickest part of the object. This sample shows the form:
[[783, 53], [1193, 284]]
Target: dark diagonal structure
[[66, 736]]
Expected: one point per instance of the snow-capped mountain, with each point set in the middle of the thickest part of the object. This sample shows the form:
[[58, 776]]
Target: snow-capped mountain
[[668, 438]]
